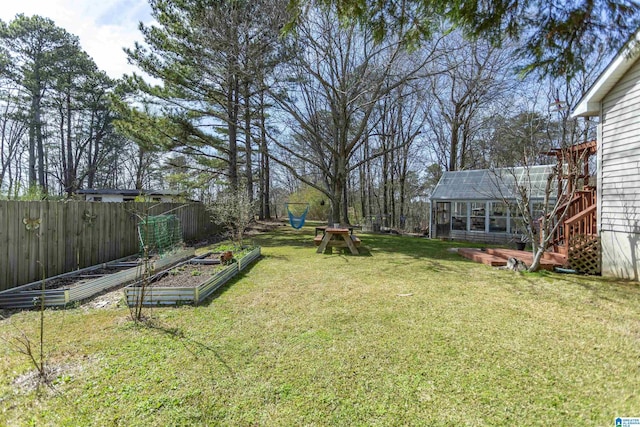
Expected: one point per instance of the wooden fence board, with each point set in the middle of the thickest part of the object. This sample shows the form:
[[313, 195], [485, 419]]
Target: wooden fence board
[[99, 230], [33, 233], [77, 234], [48, 247], [4, 243], [59, 230], [11, 267]]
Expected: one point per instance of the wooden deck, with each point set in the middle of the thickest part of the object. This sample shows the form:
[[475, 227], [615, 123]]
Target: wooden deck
[[498, 257]]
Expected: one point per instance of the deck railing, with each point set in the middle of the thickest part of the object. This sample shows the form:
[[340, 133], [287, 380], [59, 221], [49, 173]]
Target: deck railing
[[580, 218], [581, 223]]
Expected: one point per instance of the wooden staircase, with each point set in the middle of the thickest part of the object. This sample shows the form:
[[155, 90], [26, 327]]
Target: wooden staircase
[[579, 219], [576, 237]]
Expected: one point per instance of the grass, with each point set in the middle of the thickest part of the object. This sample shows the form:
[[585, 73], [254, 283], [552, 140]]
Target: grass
[[406, 334]]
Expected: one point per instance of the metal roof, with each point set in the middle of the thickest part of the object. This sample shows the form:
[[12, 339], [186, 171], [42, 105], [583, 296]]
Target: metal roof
[[492, 184]]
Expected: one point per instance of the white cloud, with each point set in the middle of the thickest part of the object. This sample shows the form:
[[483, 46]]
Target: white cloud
[[104, 27]]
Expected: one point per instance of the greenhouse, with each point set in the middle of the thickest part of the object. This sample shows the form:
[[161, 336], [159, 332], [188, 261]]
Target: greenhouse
[[481, 205]]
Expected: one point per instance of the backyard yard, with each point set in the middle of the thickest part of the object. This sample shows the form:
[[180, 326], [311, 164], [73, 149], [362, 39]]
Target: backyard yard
[[406, 333]]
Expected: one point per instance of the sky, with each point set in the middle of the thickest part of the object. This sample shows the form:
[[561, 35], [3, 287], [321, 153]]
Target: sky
[[104, 27]]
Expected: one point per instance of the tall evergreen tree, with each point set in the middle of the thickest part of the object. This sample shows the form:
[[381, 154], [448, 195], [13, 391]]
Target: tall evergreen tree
[[36, 47], [204, 55]]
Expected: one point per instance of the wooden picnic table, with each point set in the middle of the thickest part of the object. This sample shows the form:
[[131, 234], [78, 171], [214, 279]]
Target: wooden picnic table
[[337, 238], [324, 227]]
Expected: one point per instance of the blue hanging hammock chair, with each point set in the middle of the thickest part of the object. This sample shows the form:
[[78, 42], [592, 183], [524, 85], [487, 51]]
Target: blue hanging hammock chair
[[297, 221]]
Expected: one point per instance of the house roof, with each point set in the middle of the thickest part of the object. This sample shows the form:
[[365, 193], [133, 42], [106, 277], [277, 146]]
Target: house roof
[[129, 192], [589, 105], [491, 184]]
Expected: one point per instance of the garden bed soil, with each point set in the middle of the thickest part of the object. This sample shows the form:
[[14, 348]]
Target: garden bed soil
[[186, 276], [69, 281], [214, 256], [222, 257]]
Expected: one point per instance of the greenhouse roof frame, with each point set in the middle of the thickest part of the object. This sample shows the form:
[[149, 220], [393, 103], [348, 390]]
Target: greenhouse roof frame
[[494, 184]]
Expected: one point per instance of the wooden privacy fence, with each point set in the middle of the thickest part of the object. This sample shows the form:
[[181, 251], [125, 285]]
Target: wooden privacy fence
[[46, 238]]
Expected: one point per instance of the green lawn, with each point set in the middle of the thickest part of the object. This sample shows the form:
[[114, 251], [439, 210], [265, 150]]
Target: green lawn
[[406, 334]]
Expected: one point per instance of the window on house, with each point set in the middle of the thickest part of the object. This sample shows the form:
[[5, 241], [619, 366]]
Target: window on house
[[97, 198]]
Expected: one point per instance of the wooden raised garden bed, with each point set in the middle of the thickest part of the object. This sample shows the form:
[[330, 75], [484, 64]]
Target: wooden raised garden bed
[[81, 284], [189, 282]]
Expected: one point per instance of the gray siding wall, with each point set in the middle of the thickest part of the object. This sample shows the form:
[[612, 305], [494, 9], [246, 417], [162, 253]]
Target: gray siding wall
[[619, 190], [620, 254], [619, 177]]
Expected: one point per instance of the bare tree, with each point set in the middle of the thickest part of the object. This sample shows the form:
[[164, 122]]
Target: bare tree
[[476, 76], [401, 120], [234, 210], [329, 97], [13, 129]]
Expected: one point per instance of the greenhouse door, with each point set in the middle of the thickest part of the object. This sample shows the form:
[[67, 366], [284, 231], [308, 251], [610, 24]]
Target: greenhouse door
[[443, 219]]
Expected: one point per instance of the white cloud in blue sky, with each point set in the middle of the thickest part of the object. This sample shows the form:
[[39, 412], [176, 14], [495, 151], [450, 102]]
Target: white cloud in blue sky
[[104, 27]]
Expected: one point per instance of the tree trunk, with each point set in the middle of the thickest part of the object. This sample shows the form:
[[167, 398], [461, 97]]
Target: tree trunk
[[140, 170], [345, 203], [247, 140], [265, 173], [369, 178], [363, 190], [40, 146], [402, 190], [392, 188], [385, 184], [232, 125], [92, 153], [33, 178], [337, 196], [453, 153], [63, 149], [70, 185]]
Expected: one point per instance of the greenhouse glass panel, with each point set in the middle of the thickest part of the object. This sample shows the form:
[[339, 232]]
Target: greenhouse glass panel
[[516, 221], [459, 216], [498, 217], [477, 216]]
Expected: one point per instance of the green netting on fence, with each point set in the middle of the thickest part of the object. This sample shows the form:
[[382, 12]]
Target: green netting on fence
[[159, 233]]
